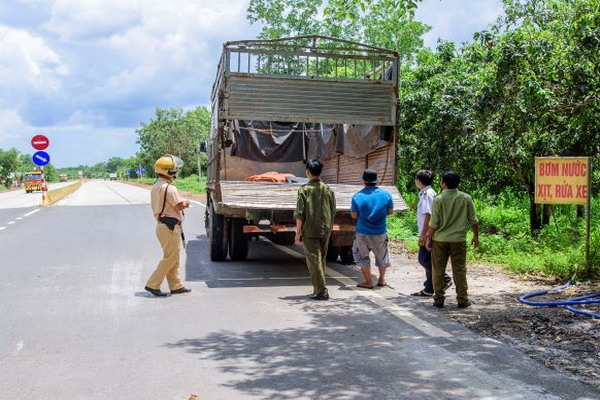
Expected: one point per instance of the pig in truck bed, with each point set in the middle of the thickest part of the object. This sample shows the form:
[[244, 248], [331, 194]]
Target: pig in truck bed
[[275, 105]]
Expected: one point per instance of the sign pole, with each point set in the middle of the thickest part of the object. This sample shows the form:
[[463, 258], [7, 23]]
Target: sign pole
[[41, 158], [44, 187], [588, 218]]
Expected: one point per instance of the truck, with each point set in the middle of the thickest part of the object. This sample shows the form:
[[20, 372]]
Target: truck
[[32, 181], [276, 104], [112, 176]]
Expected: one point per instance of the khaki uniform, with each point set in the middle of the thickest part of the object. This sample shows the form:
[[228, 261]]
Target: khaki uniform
[[169, 240]]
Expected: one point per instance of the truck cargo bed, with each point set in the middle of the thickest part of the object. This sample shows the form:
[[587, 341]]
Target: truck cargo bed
[[282, 196]]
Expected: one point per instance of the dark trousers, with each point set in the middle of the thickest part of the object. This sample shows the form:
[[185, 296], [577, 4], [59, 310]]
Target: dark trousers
[[457, 253], [315, 250], [425, 261]]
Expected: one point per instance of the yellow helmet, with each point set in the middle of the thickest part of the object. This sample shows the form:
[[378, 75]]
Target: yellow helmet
[[168, 165]]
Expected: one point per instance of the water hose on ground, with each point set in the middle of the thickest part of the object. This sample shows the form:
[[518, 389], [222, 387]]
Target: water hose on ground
[[568, 304]]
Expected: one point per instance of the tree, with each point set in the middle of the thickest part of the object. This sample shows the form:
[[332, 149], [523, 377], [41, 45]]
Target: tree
[[9, 163], [114, 164], [25, 163], [176, 132], [540, 94], [380, 23], [437, 126]]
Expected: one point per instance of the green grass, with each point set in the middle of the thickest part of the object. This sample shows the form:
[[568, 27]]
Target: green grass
[[188, 184]]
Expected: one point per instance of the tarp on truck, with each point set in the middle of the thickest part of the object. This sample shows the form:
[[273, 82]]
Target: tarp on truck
[[289, 142]]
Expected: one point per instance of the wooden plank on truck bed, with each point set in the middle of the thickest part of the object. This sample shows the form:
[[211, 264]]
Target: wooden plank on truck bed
[[282, 196]]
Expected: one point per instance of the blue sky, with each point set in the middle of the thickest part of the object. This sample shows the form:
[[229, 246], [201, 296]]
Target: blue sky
[[87, 73]]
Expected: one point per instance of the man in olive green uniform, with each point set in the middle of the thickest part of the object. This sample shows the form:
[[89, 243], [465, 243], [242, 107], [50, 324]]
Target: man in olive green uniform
[[452, 214], [315, 210]]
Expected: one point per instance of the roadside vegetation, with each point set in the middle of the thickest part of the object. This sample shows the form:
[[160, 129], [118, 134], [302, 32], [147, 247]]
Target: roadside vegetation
[[190, 184], [526, 87]]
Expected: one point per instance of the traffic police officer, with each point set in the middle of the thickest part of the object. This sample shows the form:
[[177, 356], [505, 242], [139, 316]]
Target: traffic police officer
[[167, 207]]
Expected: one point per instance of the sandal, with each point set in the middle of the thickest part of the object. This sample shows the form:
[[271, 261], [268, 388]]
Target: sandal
[[365, 285], [422, 293], [381, 283]]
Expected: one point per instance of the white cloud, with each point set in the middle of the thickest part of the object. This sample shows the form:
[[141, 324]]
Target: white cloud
[[12, 129], [29, 62], [457, 20], [90, 20]]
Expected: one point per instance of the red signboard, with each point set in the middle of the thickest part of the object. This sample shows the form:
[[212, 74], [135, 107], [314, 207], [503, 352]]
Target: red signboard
[[40, 142]]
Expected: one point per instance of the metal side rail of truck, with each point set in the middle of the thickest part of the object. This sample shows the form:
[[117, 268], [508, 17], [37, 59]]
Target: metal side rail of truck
[[275, 105]]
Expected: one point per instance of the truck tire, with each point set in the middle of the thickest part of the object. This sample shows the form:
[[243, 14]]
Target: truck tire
[[346, 256], [238, 241], [217, 235], [284, 239], [333, 252]]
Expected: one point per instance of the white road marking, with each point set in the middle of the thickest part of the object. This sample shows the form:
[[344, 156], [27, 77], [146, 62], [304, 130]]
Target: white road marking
[[18, 219], [19, 347], [394, 309], [31, 212]]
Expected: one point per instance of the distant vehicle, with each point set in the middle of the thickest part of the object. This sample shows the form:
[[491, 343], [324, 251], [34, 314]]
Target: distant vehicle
[[63, 177], [32, 181], [112, 176]]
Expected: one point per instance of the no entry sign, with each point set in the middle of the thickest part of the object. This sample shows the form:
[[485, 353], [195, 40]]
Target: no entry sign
[[40, 142]]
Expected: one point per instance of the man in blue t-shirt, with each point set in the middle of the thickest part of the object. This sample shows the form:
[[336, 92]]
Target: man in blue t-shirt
[[370, 207]]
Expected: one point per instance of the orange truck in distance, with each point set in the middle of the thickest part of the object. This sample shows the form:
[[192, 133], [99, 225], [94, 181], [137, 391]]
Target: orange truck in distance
[[32, 181]]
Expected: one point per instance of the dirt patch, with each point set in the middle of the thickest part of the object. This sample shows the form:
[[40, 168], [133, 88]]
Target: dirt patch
[[554, 336]]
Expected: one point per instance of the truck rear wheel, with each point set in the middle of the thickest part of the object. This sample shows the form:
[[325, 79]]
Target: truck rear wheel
[[346, 256], [333, 252], [238, 241], [284, 238], [218, 238]]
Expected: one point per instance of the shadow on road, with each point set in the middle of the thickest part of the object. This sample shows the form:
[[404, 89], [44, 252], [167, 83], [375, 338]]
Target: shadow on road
[[265, 266], [352, 349]]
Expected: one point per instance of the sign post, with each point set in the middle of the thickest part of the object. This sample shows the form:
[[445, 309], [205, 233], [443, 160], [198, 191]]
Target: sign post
[[41, 158], [566, 180]]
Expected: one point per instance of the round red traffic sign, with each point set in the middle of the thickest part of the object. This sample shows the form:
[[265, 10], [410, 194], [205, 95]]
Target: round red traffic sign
[[40, 142]]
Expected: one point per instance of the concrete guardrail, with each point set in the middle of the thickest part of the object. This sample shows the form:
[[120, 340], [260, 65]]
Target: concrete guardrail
[[54, 195]]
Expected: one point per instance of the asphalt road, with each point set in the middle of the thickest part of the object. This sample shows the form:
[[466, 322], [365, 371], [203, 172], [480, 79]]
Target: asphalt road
[[75, 322], [17, 198]]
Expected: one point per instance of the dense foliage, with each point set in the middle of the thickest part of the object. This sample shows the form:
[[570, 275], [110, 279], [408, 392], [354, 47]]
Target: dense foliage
[[177, 132]]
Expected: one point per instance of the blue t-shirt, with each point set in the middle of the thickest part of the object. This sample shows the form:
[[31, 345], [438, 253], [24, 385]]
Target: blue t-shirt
[[372, 205]]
